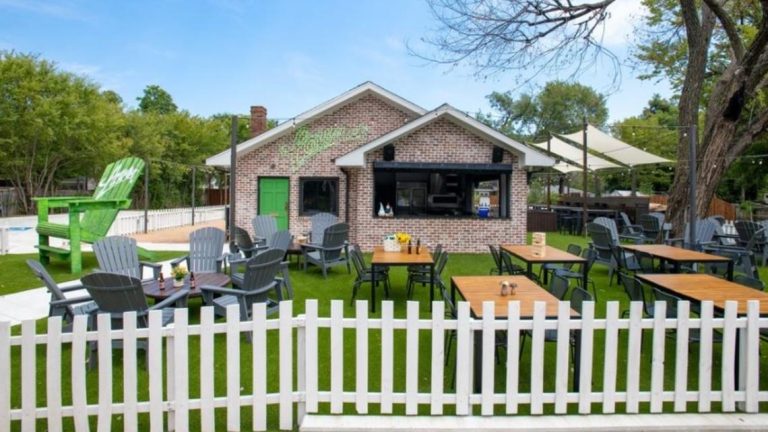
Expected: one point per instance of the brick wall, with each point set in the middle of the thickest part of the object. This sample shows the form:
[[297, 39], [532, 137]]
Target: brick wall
[[441, 141], [266, 161]]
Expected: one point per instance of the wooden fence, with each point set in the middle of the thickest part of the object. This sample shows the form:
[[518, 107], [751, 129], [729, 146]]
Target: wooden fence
[[311, 377], [133, 222], [716, 207]]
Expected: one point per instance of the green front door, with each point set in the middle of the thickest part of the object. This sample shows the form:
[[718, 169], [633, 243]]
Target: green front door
[[273, 199]]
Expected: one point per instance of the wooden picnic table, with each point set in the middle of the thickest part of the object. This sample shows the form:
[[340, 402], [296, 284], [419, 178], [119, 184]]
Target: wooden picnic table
[[478, 289], [677, 256], [382, 258], [551, 255]]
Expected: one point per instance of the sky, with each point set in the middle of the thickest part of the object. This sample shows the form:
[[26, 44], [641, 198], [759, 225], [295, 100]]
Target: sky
[[222, 56]]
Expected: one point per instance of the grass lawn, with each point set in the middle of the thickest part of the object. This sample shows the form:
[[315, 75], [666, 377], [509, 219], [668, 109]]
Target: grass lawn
[[311, 285]]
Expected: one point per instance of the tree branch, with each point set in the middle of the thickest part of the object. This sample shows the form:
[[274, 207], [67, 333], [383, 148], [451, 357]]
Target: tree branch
[[750, 134], [729, 26]]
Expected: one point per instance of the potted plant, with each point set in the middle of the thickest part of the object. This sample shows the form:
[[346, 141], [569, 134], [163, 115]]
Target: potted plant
[[179, 273]]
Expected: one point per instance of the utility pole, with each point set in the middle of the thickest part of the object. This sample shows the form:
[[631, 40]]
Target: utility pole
[[549, 172], [692, 139], [584, 211], [232, 177]]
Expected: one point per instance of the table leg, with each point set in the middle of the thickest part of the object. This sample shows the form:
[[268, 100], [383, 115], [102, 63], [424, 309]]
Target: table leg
[[546, 276], [529, 269], [577, 360], [729, 272], [585, 277], [373, 288], [431, 285]]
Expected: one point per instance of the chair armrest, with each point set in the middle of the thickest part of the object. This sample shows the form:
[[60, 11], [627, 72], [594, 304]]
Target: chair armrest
[[70, 301], [82, 205], [71, 288], [154, 266], [175, 263], [181, 294], [222, 290]]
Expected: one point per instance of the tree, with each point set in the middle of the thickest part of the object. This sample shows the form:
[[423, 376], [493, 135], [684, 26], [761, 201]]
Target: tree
[[714, 51], [559, 107], [53, 125], [156, 100]]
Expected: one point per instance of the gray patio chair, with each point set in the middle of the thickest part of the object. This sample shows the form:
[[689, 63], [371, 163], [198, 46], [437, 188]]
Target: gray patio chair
[[116, 294], [60, 305], [602, 243], [244, 242], [364, 273], [636, 292], [752, 237], [694, 335], [559, 288], [652, 225], [498, 269], [206, 251], [263, 228], [749, 282], [572, 249], [259, 285], [119, 254], [318, 223], [617, 236], [425, 277], [704, 236], [280, 240], [509, 267], [329, 253], [568, 273], [628, 228]]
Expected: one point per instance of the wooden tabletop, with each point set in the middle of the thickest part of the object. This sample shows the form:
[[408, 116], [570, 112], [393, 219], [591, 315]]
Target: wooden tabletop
[[401, 258], [550, 255], [701, 287], [153, 290], [477, 289], [672, 253]]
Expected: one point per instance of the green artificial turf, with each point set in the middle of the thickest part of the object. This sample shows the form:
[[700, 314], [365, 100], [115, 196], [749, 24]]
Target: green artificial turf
[[338, 285]]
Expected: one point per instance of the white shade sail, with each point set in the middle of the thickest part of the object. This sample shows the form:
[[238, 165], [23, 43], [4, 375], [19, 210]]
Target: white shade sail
[[613, 148], [573, 157]]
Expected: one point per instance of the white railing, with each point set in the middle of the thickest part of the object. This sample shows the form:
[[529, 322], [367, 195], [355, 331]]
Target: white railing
[[133, 222], [181, 357]]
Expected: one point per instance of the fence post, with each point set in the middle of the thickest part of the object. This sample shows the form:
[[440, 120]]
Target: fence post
[[5, 247]]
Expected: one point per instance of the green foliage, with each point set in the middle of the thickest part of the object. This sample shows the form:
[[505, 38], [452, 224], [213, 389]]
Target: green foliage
[[53, 125], [559, 107], [747, 176], [156, 100], [653, 131]]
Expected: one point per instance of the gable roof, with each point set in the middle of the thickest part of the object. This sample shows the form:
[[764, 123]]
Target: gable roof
[[223, 159], [527, 156]]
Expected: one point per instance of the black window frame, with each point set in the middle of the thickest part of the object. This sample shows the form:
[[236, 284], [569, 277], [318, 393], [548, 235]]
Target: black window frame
[[334, 199]]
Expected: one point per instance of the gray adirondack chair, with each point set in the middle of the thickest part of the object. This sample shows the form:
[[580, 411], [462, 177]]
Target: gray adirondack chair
[[329, 252], [263, 228], [258, 284], [244, 242], [116, 294], [752, 237], [119, 254], [280, 240], [652, 226], [628, 228], [206, 251], [60, 305], [318, 223], [704, 236]]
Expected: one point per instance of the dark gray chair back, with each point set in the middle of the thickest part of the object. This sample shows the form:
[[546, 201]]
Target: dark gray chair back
[[243, 241], [669, 299], [334, 238], [280, 240], [578, 297], [116, 293], [496, 259], [118, 254], [601, 241], [205, 250], [260, 273], [318, 223], [264, 226], [651, 224], [749, 282], [611, 225], [558, 286]]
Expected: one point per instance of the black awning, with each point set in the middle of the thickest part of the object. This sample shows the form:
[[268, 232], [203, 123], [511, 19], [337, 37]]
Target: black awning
[[426, 166]]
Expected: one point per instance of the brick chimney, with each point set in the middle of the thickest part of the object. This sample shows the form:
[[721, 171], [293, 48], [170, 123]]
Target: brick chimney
[[258, 120]]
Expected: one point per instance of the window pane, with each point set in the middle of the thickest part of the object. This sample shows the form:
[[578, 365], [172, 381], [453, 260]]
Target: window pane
[[319, 195]]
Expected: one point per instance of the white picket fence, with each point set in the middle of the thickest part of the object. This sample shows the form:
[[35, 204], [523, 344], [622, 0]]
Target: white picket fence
[[319, 381], [133, 222]]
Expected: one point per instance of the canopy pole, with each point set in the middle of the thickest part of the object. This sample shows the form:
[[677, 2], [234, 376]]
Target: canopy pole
[[633, 174], [584, 182], [549, 181], [232, 177], [692, 187]]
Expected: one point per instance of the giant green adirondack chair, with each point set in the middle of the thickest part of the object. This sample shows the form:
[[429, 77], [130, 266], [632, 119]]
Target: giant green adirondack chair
[[98, 212]]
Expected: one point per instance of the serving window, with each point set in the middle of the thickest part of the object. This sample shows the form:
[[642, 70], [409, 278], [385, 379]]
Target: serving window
[[442, 190]]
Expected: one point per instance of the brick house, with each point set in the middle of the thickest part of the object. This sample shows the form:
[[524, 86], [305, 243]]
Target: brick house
[[369, 147]]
